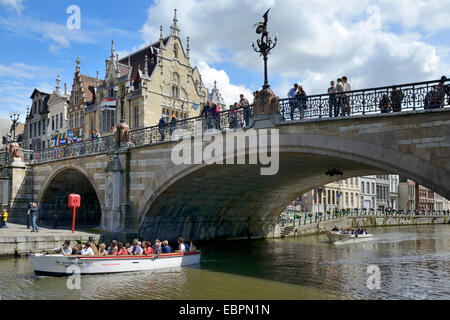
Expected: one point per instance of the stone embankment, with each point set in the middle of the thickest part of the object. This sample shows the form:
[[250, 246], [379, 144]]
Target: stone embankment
[[20, 241], [299, 229]]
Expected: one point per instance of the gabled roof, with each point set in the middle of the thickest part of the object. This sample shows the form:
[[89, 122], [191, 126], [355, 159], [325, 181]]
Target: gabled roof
[[35, 91], [88, 84], [137, 59]]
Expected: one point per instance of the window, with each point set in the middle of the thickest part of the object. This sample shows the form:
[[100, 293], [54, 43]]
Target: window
[[108, 120], [373, 188], [362, 187], [57, 122], [82, 119], [43, 144], [44, 126], [39, 127], [136, 116], [76, 121], [75, 98], [53, 122], [351, 200], [175, 92], [31, 131], [71, 121]]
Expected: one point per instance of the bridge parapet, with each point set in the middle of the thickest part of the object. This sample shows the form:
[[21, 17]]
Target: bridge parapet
[[397, 99]]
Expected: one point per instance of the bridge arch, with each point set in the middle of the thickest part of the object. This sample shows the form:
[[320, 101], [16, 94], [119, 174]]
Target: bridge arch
[[236, 201], [54, 195]]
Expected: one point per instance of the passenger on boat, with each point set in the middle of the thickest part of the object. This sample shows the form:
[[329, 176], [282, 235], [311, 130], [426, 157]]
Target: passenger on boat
[[193, 248], [166, 247], [102, 250], [77, 250], [87, 250], [128, 248], [147, 246], [335, 229], [137, 249], [112, 246], [94, 248], [65, 249], [181, 246], [157, 250], [121, 250]]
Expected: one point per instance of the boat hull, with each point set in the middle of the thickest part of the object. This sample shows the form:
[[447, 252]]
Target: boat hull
[[336, 237], [58, 265]]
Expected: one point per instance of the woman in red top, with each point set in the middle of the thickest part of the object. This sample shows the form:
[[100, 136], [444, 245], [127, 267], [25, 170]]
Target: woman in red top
[[122, 251], [147, 246]]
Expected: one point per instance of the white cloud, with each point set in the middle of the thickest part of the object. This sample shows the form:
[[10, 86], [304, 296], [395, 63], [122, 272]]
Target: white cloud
[[230, 92], [318, 40], [13, 4]]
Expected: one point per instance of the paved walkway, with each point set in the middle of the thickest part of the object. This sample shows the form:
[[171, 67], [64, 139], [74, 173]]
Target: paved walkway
[[16, 230], [17, 239]]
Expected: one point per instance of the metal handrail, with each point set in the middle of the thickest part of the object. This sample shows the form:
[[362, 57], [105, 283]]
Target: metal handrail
[[416, 96]]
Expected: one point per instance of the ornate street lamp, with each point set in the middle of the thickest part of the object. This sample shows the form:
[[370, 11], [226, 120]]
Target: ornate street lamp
[[14, 116], [265, 44]]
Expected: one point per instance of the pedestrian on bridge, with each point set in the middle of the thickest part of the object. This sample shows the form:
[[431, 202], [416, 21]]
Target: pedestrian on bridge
[[243, 103], [332, 98], [162, 128]]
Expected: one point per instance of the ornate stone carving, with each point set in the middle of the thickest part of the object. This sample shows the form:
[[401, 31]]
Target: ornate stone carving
[[266, 102], [124, 133], [15, 152]]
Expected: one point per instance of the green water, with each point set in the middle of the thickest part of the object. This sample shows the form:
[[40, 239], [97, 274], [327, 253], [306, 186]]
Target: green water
[[414, 264]]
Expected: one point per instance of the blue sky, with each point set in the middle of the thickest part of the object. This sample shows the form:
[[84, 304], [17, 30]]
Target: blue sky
[[373, 42]]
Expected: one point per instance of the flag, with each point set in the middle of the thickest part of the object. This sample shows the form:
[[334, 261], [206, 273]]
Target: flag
[[195, 106], [108, 104]]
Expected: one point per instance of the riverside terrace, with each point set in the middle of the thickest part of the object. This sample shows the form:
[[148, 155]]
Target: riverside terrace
[[416, 96]]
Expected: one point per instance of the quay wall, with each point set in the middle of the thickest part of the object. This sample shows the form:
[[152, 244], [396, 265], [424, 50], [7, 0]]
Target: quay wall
[[354, 222], [26, 245]]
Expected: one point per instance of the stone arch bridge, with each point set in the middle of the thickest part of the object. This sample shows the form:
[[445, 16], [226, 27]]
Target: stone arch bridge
[[138, 189]]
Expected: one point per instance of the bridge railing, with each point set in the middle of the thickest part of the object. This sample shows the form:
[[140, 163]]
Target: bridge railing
[[293, 217], [225, 120], [405, 97], [77, 149], [391, 99], [3, 158]]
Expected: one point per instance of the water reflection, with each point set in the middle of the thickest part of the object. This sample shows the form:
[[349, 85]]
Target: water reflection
[[414, 263]]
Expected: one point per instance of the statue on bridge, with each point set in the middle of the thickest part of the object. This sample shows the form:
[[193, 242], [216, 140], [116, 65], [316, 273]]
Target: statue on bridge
[[12, 147]]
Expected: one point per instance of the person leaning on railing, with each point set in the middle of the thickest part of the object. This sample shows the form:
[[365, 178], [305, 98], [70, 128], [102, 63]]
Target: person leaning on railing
[[385, 105], [397, 97]]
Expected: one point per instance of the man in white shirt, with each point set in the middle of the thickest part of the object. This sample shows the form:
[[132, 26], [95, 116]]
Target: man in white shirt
[[181, 247], [87, 250]]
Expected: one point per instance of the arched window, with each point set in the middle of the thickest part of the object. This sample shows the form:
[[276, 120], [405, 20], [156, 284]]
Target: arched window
[[175, 92]]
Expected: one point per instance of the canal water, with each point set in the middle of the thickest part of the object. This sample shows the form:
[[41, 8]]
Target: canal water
[[414, 262]]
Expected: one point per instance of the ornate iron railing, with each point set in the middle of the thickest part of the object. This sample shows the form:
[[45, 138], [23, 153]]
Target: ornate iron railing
[[87, 147], [225, 120], [408, 97], [392, 99], [3, 158]]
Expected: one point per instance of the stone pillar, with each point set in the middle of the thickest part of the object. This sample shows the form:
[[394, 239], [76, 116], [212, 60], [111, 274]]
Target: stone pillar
[[18, 192], [266, 110], [111, 219]]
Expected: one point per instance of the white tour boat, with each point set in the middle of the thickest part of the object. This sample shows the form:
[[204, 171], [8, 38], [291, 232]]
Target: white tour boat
[[60, 265], [338, 237]]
